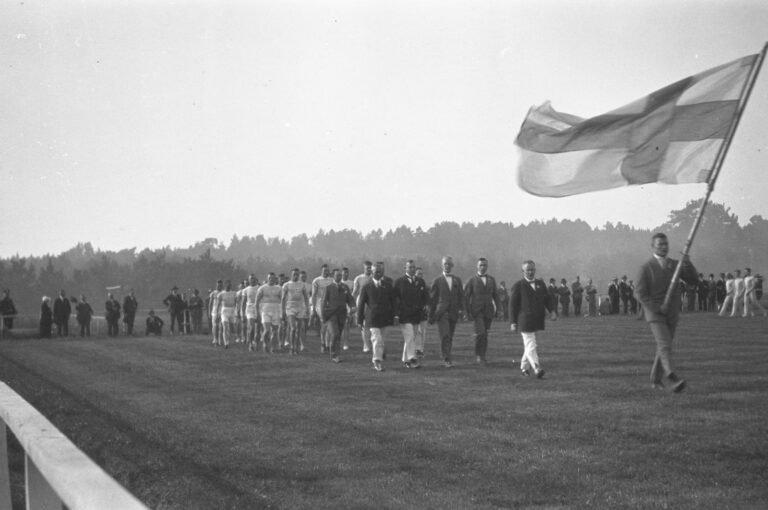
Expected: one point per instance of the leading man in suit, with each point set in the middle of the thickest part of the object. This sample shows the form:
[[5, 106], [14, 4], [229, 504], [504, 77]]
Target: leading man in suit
[[338, 296], [652, 283], [411, 296], [446, 300], [528, 305], [481, 301], [376, 310]]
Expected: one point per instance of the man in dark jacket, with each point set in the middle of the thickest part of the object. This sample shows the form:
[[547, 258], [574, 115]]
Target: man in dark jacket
[[112, 314], [7, 309], [62, 309], [376, 308], [446, 301], [481, 301], [175, 305], [130, 305], [337, 297], [653, 280], [411, 298], [528, 305]]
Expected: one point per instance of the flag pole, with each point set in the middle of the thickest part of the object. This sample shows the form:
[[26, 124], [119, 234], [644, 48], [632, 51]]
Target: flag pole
[[715, 171]]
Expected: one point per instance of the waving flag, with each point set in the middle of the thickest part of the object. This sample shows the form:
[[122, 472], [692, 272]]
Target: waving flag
[[671, 136]]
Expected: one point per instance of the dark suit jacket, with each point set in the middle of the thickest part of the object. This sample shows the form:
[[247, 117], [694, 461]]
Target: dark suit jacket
[[335, 300], [443, 300], [651, 287], [377, 304], [527, 308], [479, 298], [62, 309], [130, 305], [410, 299]]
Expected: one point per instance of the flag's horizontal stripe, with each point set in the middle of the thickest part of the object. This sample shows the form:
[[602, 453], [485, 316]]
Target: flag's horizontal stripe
[[720, 83], [569, 173], [691, 122], [687, 162]]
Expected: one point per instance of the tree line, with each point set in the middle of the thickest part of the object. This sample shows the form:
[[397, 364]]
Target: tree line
[[561, 249]]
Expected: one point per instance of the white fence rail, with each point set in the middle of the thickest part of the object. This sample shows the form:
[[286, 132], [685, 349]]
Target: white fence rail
[[57, 473]]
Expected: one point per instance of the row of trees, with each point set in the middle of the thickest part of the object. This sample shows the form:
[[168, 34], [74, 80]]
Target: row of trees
[[562, 249]]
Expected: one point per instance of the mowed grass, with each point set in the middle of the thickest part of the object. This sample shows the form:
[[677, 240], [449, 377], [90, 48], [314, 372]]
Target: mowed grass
[[184, 424]]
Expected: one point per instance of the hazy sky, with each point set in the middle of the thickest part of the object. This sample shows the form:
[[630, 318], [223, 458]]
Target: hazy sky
[[153, 123]]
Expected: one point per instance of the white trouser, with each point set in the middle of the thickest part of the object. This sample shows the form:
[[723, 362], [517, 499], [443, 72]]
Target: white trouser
[[530, 356], [421, 336], [738, 302], [750, 302], [409, 341], [728, 302], [377, 339]]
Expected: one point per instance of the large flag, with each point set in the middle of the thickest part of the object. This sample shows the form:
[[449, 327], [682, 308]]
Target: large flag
[[671, 136]]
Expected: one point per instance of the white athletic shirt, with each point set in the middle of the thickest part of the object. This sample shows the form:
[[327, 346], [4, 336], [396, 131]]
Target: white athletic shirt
[[294, 295], [319, 285], [269, 295]]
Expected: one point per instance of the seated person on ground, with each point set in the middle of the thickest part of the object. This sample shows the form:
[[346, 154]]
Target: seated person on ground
[[154, 324]]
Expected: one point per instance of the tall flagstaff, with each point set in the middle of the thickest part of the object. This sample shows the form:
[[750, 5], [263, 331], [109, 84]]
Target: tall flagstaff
[[716, 167]]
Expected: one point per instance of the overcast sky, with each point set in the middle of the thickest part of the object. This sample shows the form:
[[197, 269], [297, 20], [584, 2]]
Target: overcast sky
[[161, 123]]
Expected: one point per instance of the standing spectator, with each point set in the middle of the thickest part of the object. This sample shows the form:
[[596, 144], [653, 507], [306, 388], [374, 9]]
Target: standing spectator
[[759, 287], [653, 280], [614, 295], [196, 312], [84, 314], [624, 294], [112, 314], [554, 295], [62, 309], [175, 305], [632, 298], [691, 295], [702, 290], [528, 305], [565, 297], [712, 293], [46, 318], [7, 309], [130, 305], [411, 296], [446, 301], [591, 292], [154, 325], [721, 291], [481, 300], [504, 300], [577, 292], [376, 309]]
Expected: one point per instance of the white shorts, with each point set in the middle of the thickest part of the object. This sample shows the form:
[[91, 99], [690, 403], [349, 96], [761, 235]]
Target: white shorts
[[227, 314], [270, 314], [297, 310], [250, 312]]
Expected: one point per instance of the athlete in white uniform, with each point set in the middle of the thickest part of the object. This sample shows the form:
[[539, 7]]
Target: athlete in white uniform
[[214, 312], [358, 283], [268, 303], [226, 301], [319, 285], [251, 313], [750, 295], [304, 316], [238, 313], [295, 301]]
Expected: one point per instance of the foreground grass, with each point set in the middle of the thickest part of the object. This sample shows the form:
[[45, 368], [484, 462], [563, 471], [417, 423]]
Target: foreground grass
[[186, 425]]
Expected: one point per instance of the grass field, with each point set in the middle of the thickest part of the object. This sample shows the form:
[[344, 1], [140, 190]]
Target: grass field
[[183, 424]]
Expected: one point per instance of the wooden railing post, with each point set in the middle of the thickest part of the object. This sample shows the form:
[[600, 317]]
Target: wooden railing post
[[5, 476]]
